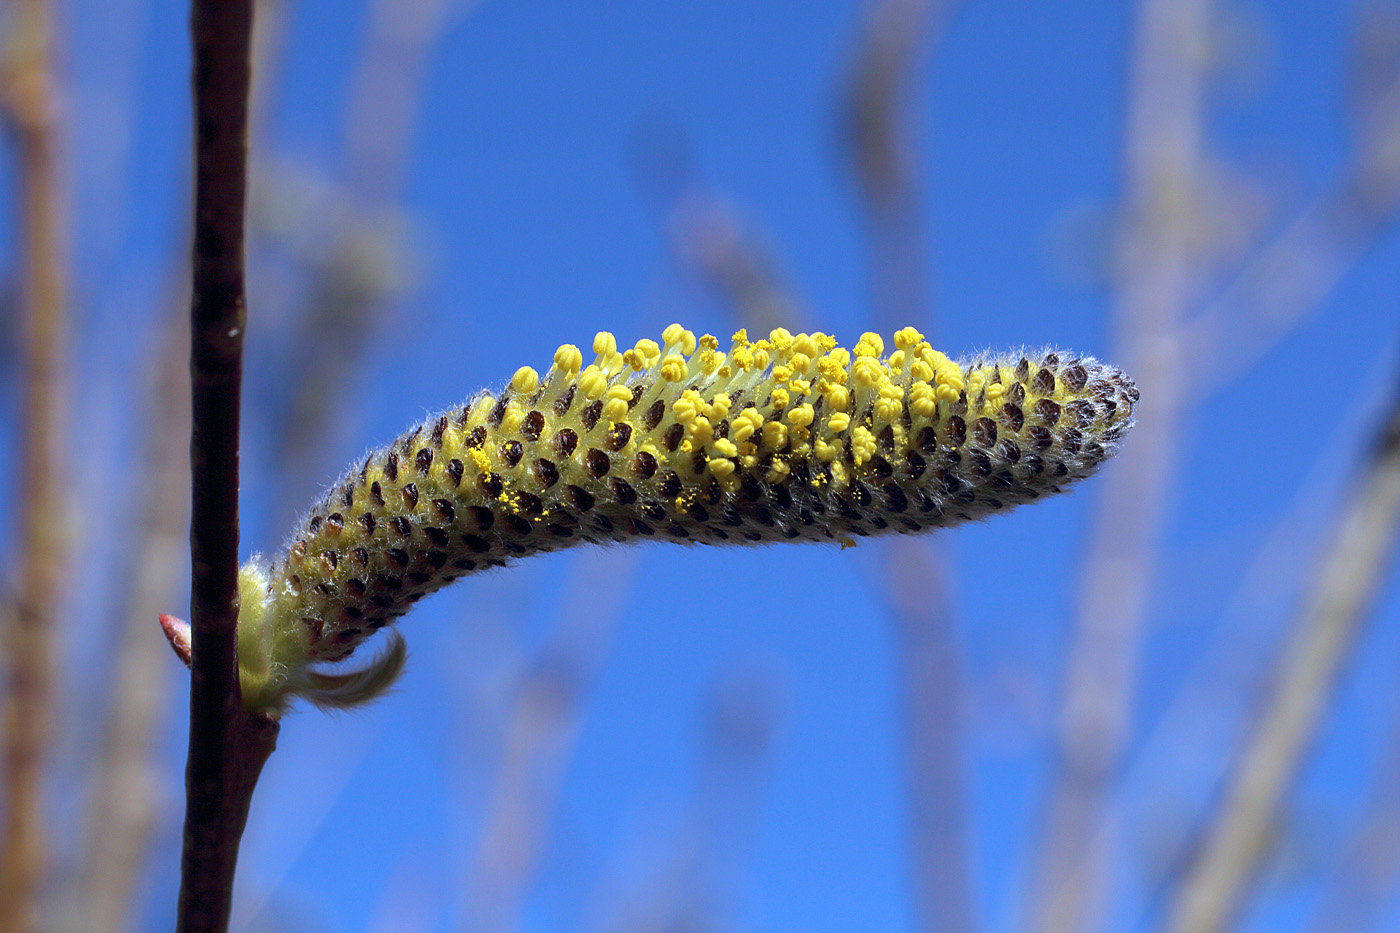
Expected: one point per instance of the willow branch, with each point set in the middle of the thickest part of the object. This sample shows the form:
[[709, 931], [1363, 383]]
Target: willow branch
[[122, 807], [228, 747], [541, 734], [1360, 885], [884, 148], [30, 103], [1158, 276], [1289, 279], [1347, 582]]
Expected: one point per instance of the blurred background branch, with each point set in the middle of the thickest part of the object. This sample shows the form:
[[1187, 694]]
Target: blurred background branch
[[29, 98], [128, 783], [883, 130], [1348, 579], [1154, 283], [541, 732]]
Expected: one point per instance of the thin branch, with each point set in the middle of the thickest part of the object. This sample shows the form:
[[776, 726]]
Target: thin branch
[[695, 868], [122, 806], [1290, 278], [30, 102], [354, 281], [934, 716], [228, 746], [1158, 276], [540, 738], [1348, 580], [884, 144], [1369, 872]]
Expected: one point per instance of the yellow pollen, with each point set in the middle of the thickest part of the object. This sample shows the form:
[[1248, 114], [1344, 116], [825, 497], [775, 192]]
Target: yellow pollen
[[748, 422], [481, 459], [592, 383], [774, 434], [907, 338], [869, 345], [923, 401], [525, 381], [673, 368], [725, 448], [862, 444], [721, 468], [801, 416], [568, 359], [839, 397], [867, 373], [604, 344]]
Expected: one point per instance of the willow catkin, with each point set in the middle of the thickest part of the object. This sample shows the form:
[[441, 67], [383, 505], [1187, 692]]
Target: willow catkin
[[791, 438]]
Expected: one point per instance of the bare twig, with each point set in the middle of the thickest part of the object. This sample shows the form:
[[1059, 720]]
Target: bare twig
[[228, 746], [1162, 157], [353, 282], [540, 737], [884, 148], [1370, 870], [696, 867], [30, 104], [931, 682], [885, 154], [126, 784], [1290, 278], [1347, 582]]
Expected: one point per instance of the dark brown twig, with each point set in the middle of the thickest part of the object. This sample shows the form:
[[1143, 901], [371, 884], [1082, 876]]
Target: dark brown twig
[[29, 100], [228, 746]]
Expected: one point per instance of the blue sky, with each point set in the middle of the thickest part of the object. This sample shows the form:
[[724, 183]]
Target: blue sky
[[531, 217]]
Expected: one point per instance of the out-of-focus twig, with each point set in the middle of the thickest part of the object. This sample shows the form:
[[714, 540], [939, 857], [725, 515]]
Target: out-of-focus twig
[[698, 868], [1348, 578], [888, 164], [539, 741], [1162, 161], [125, 782], [716, 246], [933, 707], [122, 807], [228, 746], [353, 280], [711, 239], [882, 140], [1370, 870], [1291, 277], [29, 99]]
